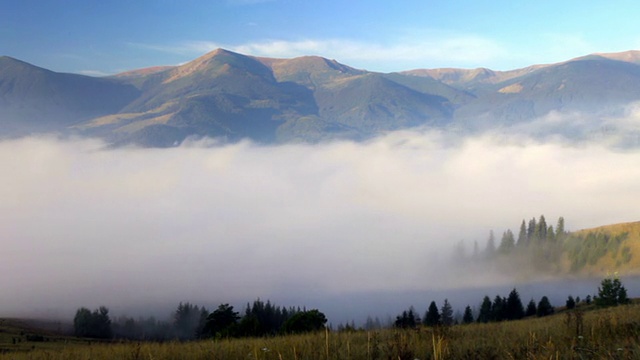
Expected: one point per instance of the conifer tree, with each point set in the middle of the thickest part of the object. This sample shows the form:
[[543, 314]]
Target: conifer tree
[[491, 245], [485, 310], [542, 228], [498, 309], [446, 314], [531, 309], [531, 230], [611, 293], [507, 243], [514, 308], [522, 235], [560, 231], [467, 318], [544, 307], [432, 316]]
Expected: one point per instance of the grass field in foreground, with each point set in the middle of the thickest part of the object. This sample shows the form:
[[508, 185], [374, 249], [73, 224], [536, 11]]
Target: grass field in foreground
[[612, 333]]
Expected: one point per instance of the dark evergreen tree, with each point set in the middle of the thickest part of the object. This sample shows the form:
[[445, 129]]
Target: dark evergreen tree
[[611, 293], [498, 309], [446, 314], [587, 299], [544, 307], [514, 309], [570, 303], [467, 318], [531, 308], [96, 324], [222, 322], [507, 243], [305, 321], [432, 316], [408, 319], [485, 310]]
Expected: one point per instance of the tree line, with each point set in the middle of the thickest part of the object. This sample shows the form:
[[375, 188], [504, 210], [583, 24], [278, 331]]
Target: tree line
[[611, 292], [189, 322]]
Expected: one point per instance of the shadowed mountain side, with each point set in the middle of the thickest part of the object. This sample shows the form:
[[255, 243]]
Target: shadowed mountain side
[[33, 99], [591, 86]]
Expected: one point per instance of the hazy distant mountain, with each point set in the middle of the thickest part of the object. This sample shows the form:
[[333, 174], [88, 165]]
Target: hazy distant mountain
[[233, 96], [33, 99]]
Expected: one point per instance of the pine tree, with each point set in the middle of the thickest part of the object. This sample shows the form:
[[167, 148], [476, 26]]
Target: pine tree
[[611, 293], [522, 235], [507, 243], [514, 309], [446, 314], [544, 307], [531, 230], [485, 310], [571, 303], [432, 316], [498, 309], [541, 229], [560, 231], [467, 318], [531, 309], [491, 245]]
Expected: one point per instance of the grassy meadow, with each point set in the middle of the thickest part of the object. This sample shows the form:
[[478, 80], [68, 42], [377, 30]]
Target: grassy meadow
[[612, 333]]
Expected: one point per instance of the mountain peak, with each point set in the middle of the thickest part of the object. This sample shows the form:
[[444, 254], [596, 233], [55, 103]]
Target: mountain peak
[[219, 61]]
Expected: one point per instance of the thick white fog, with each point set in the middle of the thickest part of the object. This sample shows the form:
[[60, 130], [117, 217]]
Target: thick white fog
[[82, 225]]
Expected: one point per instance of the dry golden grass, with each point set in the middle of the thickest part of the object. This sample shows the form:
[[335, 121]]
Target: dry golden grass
[[601, 334]]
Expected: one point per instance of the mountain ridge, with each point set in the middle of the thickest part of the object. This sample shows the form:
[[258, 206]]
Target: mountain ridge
[[309, 98]]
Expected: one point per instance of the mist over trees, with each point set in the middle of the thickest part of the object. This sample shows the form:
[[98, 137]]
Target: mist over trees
[[542, 248]]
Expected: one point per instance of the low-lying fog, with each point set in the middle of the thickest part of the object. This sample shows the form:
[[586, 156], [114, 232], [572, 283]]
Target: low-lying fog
[[350, 228]]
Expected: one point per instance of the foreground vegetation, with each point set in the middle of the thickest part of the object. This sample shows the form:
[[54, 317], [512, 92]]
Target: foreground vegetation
[[608, 333]]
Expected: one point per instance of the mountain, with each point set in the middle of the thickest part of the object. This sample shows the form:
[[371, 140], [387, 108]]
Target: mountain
[[33, 99], [233, 96]]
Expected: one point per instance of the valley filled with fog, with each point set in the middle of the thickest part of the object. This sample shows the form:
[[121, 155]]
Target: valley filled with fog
[[351, 228]]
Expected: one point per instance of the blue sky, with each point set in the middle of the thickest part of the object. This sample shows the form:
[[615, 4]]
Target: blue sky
[[106, 37]]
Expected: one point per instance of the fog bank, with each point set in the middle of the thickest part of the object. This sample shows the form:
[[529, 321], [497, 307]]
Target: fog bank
[[206, 223]]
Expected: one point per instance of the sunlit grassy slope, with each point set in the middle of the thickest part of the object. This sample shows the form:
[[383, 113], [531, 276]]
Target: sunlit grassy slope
[[615, 259], [612, 333]]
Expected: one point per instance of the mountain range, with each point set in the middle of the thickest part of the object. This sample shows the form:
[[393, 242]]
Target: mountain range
[[306, 99]]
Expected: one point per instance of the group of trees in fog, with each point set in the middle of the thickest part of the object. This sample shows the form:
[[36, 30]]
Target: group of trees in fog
[[190, 321], [544, 247], [610, 293]]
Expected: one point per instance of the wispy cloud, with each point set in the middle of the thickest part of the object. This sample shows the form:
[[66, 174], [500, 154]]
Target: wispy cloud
[[462, 51], [96, 73]]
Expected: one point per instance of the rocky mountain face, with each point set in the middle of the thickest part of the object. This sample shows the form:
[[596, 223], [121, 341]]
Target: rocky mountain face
[[232, 96]]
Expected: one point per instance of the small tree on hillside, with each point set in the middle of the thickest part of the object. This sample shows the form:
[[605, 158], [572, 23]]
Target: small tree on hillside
[[514, 308], [467, 318], [432, 316], [531, 308], [446, 314], [221, 322], [544, 307], [485, 310], [611, 293]]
